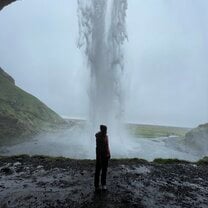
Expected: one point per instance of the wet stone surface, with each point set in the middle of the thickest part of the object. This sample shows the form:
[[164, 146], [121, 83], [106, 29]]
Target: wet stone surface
[[59, 182]]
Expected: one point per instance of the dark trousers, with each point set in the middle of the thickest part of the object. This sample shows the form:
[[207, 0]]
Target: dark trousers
[[101, 164]]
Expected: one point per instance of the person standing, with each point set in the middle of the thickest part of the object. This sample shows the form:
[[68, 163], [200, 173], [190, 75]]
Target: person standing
[[102, 157]]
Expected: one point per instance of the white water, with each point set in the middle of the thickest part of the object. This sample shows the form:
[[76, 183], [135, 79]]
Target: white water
[[102, 33]]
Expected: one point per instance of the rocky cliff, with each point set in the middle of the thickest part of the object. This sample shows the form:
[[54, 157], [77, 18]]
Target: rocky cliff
[[6, 76], [22, 114], [4, 3], [197, 138]]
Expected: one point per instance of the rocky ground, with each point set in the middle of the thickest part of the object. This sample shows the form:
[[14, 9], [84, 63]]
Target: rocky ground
[[59, 182]]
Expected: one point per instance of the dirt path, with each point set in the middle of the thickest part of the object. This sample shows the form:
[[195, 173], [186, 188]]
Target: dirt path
[[59, 182]]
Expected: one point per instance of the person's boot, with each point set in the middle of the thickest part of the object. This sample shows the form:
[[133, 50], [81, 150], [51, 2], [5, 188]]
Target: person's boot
[[97, 189], [104, 188]]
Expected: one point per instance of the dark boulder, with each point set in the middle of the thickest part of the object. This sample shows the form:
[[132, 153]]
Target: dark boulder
[[7, 171], [4, 3]]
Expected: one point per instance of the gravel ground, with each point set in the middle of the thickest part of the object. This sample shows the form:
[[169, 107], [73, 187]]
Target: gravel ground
[[45, 182]]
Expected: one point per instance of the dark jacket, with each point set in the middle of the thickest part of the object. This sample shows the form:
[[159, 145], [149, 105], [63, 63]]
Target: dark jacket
[[102, 146]]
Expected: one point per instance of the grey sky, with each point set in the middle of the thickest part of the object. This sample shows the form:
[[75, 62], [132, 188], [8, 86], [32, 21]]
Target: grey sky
[[166, 58]]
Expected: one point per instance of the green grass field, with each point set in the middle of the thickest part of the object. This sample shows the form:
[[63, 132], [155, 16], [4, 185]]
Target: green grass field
[[154, 131], [144, 130]]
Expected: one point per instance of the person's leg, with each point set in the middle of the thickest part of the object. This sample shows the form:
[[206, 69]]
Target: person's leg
[[104, 172], [97, 174]]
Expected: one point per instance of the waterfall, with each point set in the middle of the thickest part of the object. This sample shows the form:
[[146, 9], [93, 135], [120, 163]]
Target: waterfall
[[102, 33]]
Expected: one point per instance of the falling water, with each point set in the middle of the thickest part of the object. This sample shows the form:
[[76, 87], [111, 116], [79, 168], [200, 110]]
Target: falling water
[[102, 32]]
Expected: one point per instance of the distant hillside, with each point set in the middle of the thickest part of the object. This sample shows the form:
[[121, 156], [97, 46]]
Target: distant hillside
[[155, 131], [22, 114]]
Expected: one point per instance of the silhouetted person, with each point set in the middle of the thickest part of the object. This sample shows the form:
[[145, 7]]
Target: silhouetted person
[[102, 157]]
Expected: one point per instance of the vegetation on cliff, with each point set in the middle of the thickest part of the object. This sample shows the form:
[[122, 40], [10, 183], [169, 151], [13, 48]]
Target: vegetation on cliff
[[22, 114]]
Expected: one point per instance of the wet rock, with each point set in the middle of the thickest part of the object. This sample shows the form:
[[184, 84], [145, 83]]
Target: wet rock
[[5, 205], [2, 186], [17, 164], [7, 171], [129, 185]]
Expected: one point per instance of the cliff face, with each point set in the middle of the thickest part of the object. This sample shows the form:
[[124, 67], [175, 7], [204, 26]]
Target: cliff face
[[4, 3], [200, 132], [198, 138], [22, 114], [6, 76]]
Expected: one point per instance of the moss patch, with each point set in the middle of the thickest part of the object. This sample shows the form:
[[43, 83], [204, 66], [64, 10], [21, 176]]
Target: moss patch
[[169, 161]]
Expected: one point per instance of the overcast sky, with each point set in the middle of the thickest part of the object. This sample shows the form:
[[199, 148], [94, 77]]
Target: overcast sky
[[166, 58]]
